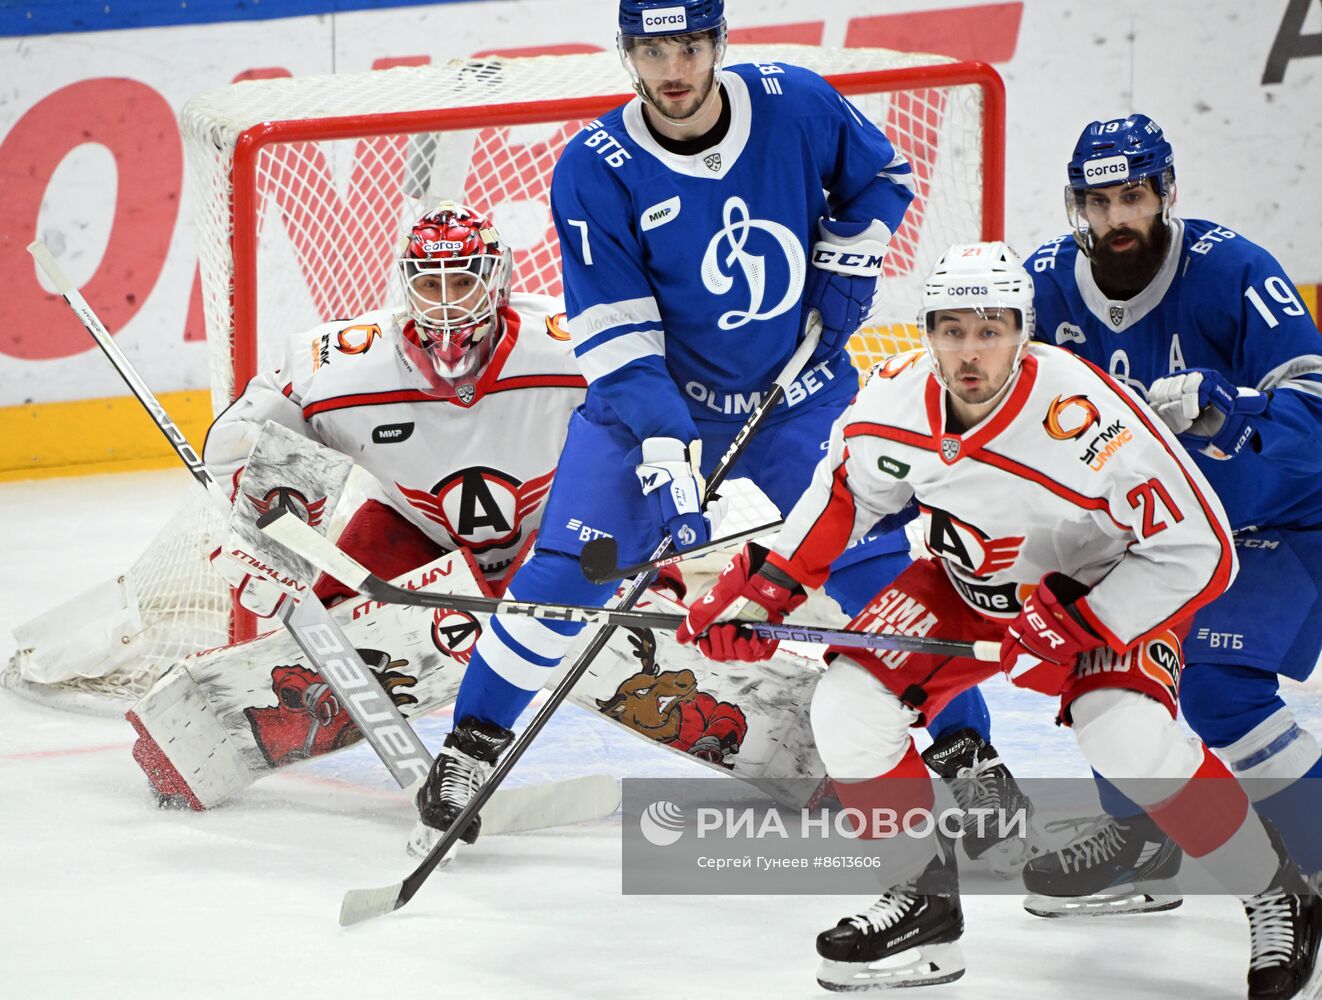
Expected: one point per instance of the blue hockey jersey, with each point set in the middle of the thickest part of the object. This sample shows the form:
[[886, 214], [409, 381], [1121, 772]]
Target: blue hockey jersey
[[1221, 302], [684, 274]]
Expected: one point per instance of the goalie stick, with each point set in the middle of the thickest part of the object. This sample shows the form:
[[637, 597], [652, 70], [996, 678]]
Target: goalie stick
[[599, 556], [317, 633], [291, 531]]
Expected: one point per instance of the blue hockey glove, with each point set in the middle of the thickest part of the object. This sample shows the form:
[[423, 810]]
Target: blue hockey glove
[[1207, 411], [669, 474], [846, 263]]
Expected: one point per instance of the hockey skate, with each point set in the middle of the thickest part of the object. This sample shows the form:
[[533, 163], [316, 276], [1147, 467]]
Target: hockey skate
[[908, 937], [991, 800], [1095, 874], [457, 773], [1285, 930]]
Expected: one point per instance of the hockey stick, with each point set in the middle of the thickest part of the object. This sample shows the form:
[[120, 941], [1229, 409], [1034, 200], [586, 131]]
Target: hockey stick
[[310, 624], [363, 904], [599, 555], [293, 533], [317, 634]]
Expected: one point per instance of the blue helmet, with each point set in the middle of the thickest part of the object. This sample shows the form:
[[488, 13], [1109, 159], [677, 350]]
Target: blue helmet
[[671, 17], [1119, 150]]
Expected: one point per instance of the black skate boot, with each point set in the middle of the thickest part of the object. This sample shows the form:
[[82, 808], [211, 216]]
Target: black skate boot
[[456, 774], [1285, 929], [906, 938], [980, 781], [1095, 874]]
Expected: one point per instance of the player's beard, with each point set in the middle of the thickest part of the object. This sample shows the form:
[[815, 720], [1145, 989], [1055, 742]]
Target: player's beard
[[1122, 274], [686, 108]]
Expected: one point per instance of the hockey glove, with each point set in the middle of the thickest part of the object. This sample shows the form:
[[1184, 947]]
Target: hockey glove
[[1207, 412], [669, 474], [252, 590], [846, 263], [1043, 644], [747, 588]]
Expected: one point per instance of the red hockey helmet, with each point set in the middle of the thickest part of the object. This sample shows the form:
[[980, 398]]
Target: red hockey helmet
[[456, 273]]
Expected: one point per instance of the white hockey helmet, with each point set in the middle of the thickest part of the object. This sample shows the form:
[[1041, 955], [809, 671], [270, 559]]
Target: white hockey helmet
[[987, 278]]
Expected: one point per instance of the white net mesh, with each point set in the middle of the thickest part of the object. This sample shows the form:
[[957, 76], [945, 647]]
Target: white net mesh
[[305, 186]]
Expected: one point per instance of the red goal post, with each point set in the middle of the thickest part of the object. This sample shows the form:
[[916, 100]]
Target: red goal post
[[302, 189]]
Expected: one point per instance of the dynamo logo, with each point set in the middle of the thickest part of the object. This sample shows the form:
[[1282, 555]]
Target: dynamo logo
[[726, 251], [662, 823]]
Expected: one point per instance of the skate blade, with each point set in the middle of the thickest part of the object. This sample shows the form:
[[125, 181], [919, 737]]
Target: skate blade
[[422, 840], [1108, 904], [928, 965]]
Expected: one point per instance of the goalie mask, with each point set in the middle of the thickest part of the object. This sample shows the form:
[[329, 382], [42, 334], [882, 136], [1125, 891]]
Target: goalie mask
[[456, 273], [672, 50], [987, 280]]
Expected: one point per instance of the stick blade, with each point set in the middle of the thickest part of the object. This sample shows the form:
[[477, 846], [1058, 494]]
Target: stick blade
[[364, 904], [599, 560]]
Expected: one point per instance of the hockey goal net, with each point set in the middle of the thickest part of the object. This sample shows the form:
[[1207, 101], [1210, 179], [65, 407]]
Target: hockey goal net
[[303, 188]]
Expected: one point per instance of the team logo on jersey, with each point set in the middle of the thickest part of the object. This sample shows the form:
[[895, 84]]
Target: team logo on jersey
[[713, 161], [727, 248], [966, 545], [356, 339], [392, 433], [1068, 333], [1117, 314], [950, 448], [1069, 417], [288, 498], [557, 327], [455, 633], [481, 508], [896, 363]]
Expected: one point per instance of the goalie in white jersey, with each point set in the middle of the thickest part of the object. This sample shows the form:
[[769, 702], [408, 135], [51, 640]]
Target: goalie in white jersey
[[457, 405], [1065, 522]]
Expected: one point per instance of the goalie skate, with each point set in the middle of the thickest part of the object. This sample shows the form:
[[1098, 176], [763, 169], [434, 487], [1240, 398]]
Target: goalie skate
[[908, 937], [1106, 871]]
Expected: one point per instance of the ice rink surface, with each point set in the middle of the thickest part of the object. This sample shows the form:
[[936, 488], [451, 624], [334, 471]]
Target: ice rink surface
[[102, 895]]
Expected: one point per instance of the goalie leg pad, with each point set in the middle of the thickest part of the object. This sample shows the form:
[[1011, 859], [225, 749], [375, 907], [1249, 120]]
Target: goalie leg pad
[[225, 718]]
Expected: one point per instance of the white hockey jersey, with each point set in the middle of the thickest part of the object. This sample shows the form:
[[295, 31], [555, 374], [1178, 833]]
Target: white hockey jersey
[[1070, 473], [471, 474]]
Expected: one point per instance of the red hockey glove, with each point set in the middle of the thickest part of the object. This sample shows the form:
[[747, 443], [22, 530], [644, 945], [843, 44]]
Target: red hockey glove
[[747, 588], [1043, 644]]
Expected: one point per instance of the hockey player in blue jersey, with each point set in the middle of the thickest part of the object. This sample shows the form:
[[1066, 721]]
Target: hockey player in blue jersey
[[699, 224], [1209, 327]]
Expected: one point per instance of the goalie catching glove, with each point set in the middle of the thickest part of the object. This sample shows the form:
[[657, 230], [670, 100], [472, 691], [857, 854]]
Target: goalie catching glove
[[1042, 645], [1209, 413], [751, 589], [669, 473], [846, 264]]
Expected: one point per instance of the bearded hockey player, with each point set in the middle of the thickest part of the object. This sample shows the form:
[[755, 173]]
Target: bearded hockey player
[[1078, 565], [1210, 327]]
